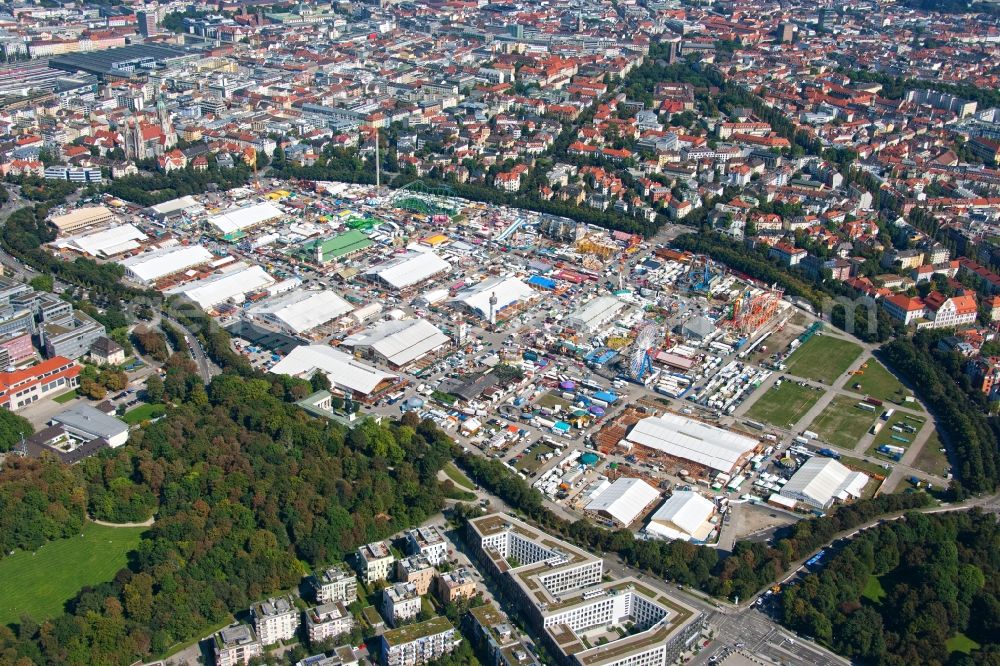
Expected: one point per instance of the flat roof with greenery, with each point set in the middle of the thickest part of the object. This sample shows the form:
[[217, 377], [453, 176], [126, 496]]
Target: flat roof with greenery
[[412, 632]]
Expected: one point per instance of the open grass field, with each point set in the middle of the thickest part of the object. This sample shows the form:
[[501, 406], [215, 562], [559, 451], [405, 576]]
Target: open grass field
[[931, 458], [456, 475], [144, 412], [552, 400], [862, 465], [785, 405], [878, 382], [38, 584], [532, 461], [961, 643], [843, 423], [885, 434], [65, 397], [823, 358], [873, 590]]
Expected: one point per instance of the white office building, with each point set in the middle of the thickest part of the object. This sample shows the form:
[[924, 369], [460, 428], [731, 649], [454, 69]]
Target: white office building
[[562, 590]]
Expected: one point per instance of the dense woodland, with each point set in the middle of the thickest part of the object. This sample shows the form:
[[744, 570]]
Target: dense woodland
[[160, 187], [960, 414], [897, 593], [751, 566], [39, 500], [12, 429], [247, 490]]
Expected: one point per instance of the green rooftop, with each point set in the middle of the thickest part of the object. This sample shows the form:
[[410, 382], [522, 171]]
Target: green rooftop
[[327, 249], [412, 632]]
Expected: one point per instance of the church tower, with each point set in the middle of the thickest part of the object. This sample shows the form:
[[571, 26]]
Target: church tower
[[166, 126], [135, 145]]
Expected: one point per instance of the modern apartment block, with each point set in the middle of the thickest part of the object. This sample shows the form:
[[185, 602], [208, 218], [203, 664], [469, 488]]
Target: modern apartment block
[[400, 602], [429, 542], [327, 621], [276, 619], [561, 590], [417, 570], [456, 585], [334, 584], [375, 561], [419, 643], [236, 646], [493, 630]]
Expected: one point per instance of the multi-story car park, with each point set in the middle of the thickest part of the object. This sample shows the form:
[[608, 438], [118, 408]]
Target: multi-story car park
[[562, 591]]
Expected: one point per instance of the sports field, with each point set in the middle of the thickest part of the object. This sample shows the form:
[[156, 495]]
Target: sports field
[[785, 405], [843, 423], [823, 358], [38, 584]]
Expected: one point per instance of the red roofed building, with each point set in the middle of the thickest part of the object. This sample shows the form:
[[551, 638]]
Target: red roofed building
[[904, 309], [945, 312], [20, 388], [788, 255]]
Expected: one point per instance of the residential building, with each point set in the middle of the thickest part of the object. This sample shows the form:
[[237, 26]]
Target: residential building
[[374, 561], [400, 602], [106, 351], [985, 375], [334, 584], [328, 621], [276, 619], [236, 646], [416, 570], [456, 585], [429, 542], [19, 388], [787, 254], [505, 645], [419, 643]]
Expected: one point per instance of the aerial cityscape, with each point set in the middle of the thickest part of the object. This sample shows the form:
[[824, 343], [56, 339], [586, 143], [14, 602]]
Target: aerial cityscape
[[510, 333]]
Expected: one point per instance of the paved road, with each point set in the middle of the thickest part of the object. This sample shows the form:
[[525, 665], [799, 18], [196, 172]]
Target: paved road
[[206, 367]]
